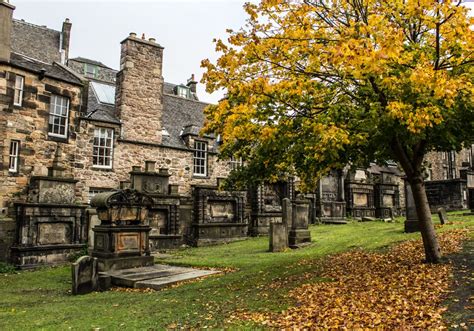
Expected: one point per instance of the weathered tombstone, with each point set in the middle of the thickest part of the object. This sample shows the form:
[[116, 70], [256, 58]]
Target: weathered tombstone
[[84, 275], [412, 223], [278, 237], [299, 233], [287, 213], [443, 217]]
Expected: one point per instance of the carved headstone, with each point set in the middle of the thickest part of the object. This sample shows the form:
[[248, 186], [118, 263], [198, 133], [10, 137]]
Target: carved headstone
[[443, 217], [278, 237], [299, 233], [84, 275]]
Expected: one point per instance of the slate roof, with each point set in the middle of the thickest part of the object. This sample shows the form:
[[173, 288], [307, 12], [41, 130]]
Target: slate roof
[[378, 169], [94, 62], [180, 115], [36, 41], [54, 70]]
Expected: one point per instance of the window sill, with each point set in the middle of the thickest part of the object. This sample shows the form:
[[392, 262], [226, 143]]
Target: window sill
[[57, 138], [201, 177], [98, 168]]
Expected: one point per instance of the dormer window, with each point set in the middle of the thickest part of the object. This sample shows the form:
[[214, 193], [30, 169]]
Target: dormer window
[[90, 70], [182, 91]]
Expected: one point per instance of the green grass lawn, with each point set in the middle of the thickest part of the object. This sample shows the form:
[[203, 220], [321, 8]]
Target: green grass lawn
[[41, 299]]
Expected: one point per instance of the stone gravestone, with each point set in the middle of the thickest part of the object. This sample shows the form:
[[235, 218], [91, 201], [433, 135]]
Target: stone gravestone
[[287, 213], [443, 217], [279, 231], [84, 275], [412, 223], [278, 237], [299, 233]]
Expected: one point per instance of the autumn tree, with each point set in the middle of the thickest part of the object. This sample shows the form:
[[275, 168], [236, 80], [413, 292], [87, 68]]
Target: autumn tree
[[318, 84]]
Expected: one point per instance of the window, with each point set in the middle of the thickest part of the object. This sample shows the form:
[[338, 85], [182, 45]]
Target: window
[[200, 158], [58, 116], [14, 156], [103, 148], [18, 94], [90, 70], [182, 91], [235, 163]]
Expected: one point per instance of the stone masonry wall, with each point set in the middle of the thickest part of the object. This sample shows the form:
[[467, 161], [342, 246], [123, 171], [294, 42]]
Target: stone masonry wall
[[438, 162], [29, 124], [139, 90], [127, 154]]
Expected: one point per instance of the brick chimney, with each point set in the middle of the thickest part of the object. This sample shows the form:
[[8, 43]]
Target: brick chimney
[[65, 39], [6, 14], [139, 96]]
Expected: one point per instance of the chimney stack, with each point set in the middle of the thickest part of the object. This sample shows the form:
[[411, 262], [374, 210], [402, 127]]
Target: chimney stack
[[6, 14], [192, 84], [66, 37], [138, 98]]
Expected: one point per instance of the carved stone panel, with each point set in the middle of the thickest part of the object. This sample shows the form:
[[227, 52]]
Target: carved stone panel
[[158, 221], [360, 199], [221, 211], [54, 233], [128, 241], [388, 200]]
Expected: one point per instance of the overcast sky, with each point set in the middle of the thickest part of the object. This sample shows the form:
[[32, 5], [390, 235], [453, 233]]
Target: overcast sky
[[184, 27]]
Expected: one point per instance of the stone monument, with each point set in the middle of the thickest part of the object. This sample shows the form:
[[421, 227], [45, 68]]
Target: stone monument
[[412, 223], [299, 233], [121, 240], [85, 275], [279, 231]]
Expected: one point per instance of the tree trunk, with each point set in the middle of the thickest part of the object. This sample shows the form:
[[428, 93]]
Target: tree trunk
[[430, 242]]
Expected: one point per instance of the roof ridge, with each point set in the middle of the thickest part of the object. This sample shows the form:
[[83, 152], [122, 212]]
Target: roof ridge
[[181, 98], [22, 21], [85, 59]]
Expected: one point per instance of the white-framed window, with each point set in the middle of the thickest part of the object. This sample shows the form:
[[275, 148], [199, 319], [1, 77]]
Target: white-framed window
[[58, 116], [200, 158], [103, 148], [14, 156], [18, 94], [182, 91], [235, 163]]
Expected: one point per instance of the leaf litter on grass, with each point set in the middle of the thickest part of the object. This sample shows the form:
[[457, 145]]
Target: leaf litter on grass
[[370, 290]]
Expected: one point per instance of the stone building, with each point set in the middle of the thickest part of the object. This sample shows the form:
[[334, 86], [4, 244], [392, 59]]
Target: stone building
[[87, 128], [449, 180]]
